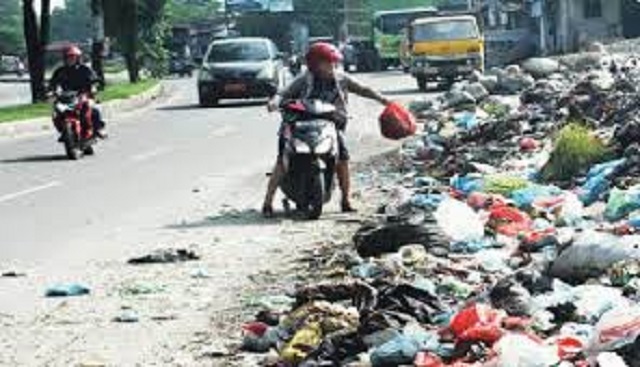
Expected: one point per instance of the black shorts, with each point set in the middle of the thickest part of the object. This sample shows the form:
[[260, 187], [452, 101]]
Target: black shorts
[[343, 152]]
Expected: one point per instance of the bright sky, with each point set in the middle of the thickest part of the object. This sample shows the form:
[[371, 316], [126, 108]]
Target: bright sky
[[54, 3]]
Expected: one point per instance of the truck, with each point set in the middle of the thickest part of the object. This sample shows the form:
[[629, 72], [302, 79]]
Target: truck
[[375, 29]]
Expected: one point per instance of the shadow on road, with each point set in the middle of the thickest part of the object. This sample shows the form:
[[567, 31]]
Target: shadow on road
[[400, 92], [222, 105], [247, 217], [185, 107], [36, 159]]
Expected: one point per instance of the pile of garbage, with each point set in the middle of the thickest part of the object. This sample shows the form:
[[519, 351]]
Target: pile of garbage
[[514, 241]]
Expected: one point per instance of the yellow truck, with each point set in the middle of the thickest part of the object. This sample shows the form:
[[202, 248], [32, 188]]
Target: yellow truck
[[444, 49]]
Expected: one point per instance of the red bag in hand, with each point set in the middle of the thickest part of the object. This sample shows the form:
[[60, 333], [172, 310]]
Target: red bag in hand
[[396, 122]]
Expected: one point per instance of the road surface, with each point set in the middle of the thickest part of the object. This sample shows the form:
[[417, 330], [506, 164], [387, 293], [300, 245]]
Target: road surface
[[157, 181]]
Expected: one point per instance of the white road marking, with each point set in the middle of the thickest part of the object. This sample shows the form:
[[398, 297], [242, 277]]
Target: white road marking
[[32, 190], [150, 154]]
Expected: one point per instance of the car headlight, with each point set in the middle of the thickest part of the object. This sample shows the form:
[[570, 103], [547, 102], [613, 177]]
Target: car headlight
[[267, 73]]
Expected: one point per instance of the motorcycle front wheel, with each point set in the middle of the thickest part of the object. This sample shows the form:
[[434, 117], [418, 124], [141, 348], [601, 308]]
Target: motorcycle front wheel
[[70, 141], [315, 196]]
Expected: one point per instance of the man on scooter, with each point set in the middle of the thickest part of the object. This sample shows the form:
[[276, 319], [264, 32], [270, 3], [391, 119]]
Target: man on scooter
[[322, 81], [77, 77]]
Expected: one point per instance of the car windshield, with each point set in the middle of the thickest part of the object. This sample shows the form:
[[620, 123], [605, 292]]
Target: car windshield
[[239, 51], [446, 30]]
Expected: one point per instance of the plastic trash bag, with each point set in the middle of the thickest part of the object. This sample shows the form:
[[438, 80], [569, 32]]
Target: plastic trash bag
[[458, 221], [518, 350], [616, 329], [400, 350], [396, 122], [478, 323], [592, 253], [621, 203], [67, 290], [598, 181], [525, 198], [304, 341], [467, 184]]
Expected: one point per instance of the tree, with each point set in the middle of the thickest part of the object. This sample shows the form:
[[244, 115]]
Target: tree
[[36, 36], [11, 33], [139, 27], [72, 22], [97, 46], [192, 11]]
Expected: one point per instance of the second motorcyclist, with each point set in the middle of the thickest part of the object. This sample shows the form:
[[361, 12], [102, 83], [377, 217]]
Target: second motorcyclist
[[77, 77], [325, 82]]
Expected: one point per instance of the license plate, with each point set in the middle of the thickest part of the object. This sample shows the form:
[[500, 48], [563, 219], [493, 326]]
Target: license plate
[[235, 87], [465, 68]]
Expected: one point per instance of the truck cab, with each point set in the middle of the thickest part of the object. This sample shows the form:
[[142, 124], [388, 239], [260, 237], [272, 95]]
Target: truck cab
[[444, 49]]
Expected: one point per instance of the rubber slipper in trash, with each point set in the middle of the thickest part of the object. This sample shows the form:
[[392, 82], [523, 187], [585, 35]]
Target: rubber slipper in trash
[[67, 290]]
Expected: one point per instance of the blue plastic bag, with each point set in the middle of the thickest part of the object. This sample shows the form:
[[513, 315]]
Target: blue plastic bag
[[598, 182], [427, 201], [467, 184], [524, 198], [67, 290]]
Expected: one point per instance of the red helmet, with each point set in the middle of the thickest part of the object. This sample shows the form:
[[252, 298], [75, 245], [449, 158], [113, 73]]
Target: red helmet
[[72, 51], [322, 51]]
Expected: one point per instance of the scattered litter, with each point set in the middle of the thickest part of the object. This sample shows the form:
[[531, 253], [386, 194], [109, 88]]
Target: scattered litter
[[67, 290], [165, 256]]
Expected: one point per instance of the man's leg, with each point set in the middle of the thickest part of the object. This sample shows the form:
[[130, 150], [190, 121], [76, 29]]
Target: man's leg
[[274, 180], [272, 187], [343, 172], [98, 121]]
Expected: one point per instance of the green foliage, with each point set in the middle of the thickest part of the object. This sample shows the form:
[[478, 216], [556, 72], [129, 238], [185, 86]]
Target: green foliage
[[191, 11], [576, 149], [112, 92], [71, 22], [153, 30], [11, 34]]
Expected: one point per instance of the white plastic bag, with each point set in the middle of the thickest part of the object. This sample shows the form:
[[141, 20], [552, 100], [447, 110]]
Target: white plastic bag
[[617, 328], [516, 350], [458, 221]]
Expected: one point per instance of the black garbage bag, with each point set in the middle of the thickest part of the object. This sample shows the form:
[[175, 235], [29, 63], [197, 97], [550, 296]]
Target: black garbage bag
[[362, 295], [336, 349], [165, 256], [406, 299], [512, 297], [377, 240]]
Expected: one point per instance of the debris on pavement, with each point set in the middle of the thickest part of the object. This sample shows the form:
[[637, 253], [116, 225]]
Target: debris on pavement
[[509, 237], [165, 256], [67, 290]]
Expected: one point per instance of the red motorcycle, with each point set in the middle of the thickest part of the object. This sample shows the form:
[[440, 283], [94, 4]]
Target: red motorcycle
[[78, 139]]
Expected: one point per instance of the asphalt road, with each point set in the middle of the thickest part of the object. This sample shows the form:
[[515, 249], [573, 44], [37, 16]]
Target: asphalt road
[[158, 165], [171, 175]]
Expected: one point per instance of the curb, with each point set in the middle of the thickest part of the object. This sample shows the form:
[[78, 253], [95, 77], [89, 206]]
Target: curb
[[109, 110]]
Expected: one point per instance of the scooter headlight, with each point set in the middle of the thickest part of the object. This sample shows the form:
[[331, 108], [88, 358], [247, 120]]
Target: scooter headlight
[[301, 147], [61, 107]]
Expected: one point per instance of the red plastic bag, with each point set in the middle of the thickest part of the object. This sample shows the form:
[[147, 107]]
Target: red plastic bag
[[509, 221], [478, 323], [396, 122]]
